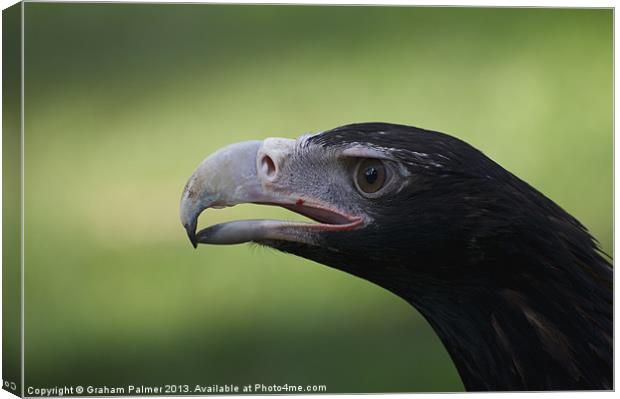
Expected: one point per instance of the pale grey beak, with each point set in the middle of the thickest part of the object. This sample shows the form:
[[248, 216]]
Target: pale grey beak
[[225, 178], [236, 174], [251, 172]]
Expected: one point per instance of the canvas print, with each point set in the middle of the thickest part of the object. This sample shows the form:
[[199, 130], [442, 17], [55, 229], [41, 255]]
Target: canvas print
[[206, 199]]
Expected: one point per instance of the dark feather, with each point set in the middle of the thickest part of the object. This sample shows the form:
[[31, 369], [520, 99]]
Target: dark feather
[[516, 287]]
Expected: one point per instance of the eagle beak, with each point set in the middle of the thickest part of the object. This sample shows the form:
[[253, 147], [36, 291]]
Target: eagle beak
[[190, 228], [226, 178], [251, 172]]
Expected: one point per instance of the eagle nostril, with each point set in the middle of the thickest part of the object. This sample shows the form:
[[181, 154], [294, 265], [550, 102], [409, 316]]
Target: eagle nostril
[[268, 167]]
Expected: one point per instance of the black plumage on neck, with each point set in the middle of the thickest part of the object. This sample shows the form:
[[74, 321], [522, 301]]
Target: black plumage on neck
[[516, 288]]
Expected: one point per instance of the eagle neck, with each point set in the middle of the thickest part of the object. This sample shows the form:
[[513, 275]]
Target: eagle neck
[[520, 335]]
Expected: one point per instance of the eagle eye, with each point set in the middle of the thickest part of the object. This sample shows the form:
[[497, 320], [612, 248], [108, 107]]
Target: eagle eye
[[370, 176]]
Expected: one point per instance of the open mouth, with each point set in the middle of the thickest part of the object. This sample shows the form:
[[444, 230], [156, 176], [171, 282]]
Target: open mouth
[[326, 218], [236, 232], [248, 173]]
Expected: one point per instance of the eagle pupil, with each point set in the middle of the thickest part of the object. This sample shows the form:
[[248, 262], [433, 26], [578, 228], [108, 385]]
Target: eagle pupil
[[371, 175]]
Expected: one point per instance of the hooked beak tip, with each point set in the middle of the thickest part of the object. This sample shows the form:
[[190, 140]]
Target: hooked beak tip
[[191, 234]]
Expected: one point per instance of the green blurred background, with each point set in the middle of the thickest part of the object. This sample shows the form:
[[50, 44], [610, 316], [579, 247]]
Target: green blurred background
[[123, 101]]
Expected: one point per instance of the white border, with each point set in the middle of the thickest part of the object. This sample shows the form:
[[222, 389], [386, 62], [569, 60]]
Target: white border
[[435, 3], [462, 3], [22, 210]]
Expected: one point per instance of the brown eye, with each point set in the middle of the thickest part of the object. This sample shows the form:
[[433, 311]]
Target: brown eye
[[370, 176]]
